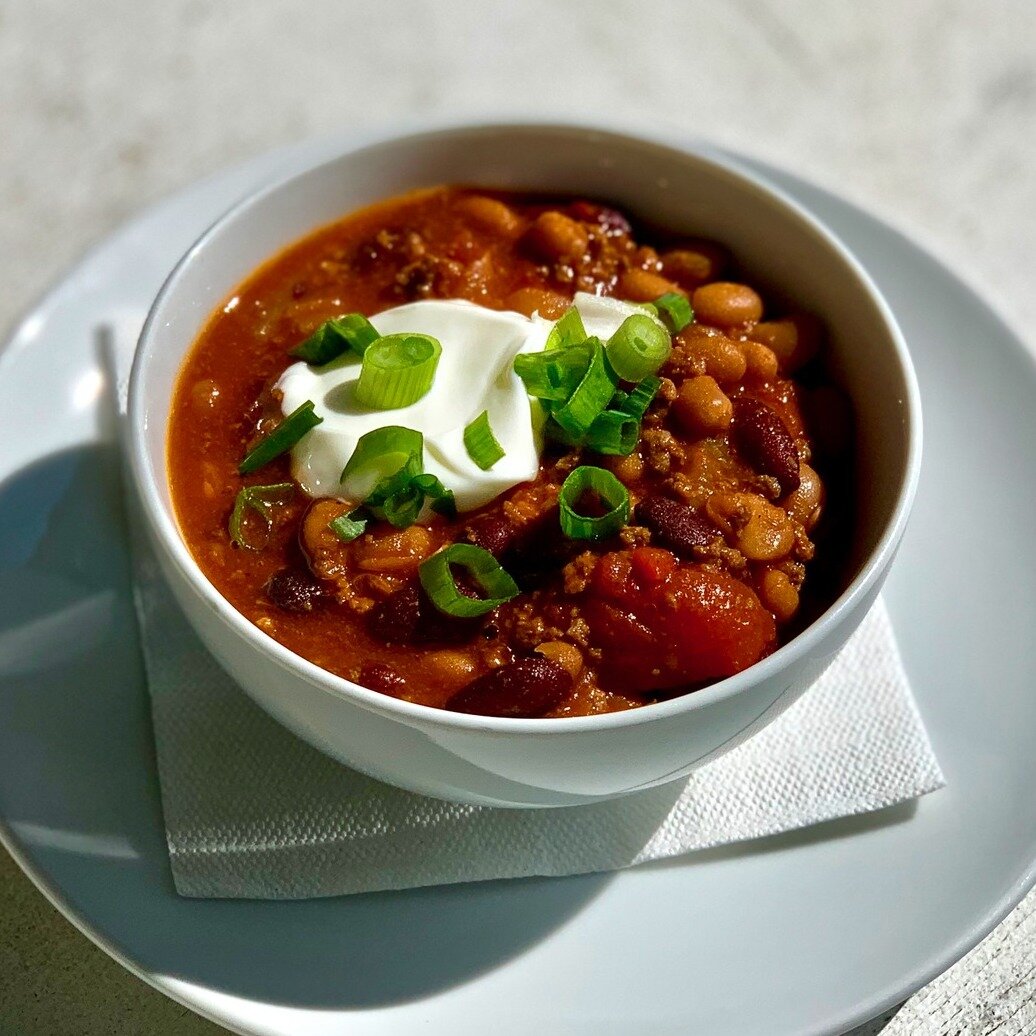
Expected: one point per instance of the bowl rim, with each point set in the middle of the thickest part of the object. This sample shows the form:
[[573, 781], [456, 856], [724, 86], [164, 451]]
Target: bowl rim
[[871, 571]]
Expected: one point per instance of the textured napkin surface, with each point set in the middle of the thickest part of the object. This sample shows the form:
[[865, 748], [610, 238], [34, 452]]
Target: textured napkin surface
[[252, 811]]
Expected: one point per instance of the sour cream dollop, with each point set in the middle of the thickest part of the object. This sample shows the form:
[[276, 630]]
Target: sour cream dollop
[[475, 373]]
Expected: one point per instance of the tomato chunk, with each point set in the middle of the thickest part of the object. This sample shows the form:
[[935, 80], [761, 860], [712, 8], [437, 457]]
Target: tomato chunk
[[662, 624]]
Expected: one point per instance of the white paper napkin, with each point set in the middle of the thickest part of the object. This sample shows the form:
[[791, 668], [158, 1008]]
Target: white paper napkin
[[252, 811]]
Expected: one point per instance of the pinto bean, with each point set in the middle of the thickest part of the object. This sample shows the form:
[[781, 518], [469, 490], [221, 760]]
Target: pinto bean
[[451, 668], [643, 285], [695, 262], [568, 656], [725, 304], [778, 595], [675, 525], [489, 214], [764, 441], [525, 688], [549, 304], [702, 407], [760, 361], [805, 502], [794, 340], [704, 350], [626, 469], [555, 237], [761, 531]]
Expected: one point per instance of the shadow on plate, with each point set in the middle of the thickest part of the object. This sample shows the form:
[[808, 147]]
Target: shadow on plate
[[79, 793]]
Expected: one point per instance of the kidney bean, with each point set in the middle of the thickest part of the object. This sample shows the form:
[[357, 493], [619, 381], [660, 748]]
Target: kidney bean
[[382, 678], [764, 441], [395, 620], [492, 532], [294, 590], [539, 552], [675, 525], [525, 688], [409, 617]]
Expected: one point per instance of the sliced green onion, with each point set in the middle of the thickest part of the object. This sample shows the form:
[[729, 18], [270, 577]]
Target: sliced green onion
[[257, 502], [552, 430], [482, 445], [593, 393], [396, 454], [438, 581], [401, 498], [281, 439], [397, 370], [386, 451], [395, 498], [401, 507], [442, 499], [396, 485], [637, 402], [674, 311], [553, 375], [639, 347], [334, 337], [567, 331], [613, 495], [347, 527], [614, 432]]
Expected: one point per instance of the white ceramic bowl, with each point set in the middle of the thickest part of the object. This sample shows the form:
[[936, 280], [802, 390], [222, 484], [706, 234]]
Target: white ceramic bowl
[[542, 762]]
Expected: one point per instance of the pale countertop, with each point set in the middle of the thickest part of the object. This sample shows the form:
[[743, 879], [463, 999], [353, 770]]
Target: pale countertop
[[924, 112]]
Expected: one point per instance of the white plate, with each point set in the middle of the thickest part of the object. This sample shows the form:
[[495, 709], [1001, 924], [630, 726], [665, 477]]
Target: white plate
[[808, 933]]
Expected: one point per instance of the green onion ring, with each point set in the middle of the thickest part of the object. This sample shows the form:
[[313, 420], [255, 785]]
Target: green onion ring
[[347, 527], [397, 370], [260, 500], [639, 347], [614, 432], [438, 582], [553, 375], [613, 494], [386, 451]]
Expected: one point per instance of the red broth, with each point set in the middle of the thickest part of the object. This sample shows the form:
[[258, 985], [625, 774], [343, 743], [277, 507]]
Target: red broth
[[707, 577]]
